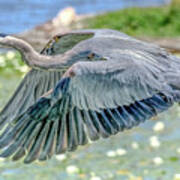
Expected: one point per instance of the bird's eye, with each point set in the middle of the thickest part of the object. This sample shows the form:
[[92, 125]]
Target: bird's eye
[[56, 38], [95, 57], [91, 55]]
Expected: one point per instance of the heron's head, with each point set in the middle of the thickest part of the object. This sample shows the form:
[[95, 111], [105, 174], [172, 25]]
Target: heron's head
[[5, 39], [13, 42]]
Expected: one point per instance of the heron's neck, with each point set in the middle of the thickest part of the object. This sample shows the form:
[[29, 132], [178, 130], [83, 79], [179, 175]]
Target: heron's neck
[[33, 58]]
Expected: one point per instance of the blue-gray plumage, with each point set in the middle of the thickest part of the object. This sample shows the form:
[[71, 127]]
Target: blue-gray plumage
[[85, 84]]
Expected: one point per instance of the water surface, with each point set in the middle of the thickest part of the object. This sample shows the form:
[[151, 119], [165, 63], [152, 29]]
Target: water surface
[[19, 15]]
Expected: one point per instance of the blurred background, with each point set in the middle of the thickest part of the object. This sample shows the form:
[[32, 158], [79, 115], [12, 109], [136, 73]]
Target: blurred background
[[148, 152], [19, 15]]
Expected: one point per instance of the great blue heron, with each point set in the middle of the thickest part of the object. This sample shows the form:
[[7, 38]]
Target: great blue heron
[[85, 84]]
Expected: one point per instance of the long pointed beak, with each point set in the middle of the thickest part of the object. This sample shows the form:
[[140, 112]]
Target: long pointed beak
[[3, 35]]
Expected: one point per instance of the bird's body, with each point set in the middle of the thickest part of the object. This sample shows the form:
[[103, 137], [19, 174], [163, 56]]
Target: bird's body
[[85, 85]]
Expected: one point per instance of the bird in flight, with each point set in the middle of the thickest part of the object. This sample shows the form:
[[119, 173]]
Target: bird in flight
[[84, 85]]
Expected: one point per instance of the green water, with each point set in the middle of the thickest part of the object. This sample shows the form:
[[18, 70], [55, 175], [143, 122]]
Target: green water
[[126, 156]]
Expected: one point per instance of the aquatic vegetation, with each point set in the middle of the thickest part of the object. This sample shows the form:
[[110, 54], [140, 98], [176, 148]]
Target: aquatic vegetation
[[151, 21], [11, 63]]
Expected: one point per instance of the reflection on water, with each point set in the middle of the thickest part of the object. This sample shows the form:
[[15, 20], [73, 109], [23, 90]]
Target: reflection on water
[[131, 155]]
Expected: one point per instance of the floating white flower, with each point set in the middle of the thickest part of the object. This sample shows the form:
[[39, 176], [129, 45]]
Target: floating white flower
[[2, 159], [61, 157], [95, 178], [178, 150], [23, 68], [146, 171], [177, 177], [159, 126], [10, 54], [158, 160], [2, 61], [111, 153], [154, 142], [72, 169], [121, 152], [135, 145]]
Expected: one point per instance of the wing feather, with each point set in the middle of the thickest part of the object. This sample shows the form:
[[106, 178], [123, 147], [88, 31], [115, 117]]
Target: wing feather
[[91, 129], [98, 124], [37, 82], [34, 85], [64, 42], [47, 148], [27, 142], [81, 134], [62, 130], [39, 141], [71, 132]]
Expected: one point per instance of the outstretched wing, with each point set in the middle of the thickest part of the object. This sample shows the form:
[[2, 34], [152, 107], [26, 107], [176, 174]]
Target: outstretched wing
[[64, 42], [34, 85], [92, 100], [38, 82]]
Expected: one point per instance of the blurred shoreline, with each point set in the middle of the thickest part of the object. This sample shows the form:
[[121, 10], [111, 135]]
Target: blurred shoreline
[[17, 15], [67, 19], [64, 21]]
